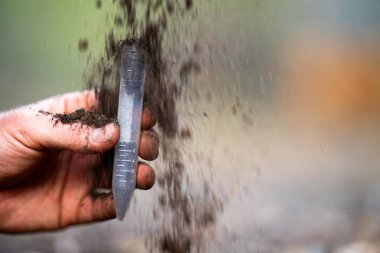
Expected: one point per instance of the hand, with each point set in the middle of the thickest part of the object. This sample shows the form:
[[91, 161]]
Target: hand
[[46, 166]]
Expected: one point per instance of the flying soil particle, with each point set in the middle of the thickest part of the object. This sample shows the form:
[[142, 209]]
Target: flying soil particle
[[187, 68], [170, 7], [247, 119], [83, 45], [98, 4], [185, 133], [118, 21], [234, 110], [189, 4]]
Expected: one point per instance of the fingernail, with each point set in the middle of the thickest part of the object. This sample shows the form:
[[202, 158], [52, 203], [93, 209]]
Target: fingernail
[[102, 135]]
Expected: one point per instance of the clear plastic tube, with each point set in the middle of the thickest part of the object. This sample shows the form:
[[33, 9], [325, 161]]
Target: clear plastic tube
[[132, 78]]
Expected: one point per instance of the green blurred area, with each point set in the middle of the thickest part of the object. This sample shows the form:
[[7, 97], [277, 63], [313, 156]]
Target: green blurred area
[[39, 53]]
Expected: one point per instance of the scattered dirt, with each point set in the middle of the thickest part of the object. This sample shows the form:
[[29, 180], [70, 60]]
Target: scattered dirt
[[83, 45], [189, 4], [186, 133], [186, 214], [98, 4], [189, 67], [118, 21], [247, 119], [84, 117], [234, 110]]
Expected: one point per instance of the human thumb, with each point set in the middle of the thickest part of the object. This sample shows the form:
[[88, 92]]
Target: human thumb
[[43, 131]]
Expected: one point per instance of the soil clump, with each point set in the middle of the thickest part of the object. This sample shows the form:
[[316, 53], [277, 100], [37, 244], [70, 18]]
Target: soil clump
[[83, 117]]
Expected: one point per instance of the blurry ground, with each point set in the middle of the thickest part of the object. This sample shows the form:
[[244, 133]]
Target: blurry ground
[[286, 120]]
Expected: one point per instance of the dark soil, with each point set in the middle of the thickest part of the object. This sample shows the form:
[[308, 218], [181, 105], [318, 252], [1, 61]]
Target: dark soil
[[83, 45], [186, 133], [189, 67], [98, 4], [84, 117]]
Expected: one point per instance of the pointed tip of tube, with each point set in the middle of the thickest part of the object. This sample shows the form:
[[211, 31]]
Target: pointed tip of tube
[[122, 202], [121, 210], [120, 218]]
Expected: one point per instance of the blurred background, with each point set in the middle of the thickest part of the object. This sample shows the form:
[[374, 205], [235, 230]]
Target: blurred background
[[286, 110]]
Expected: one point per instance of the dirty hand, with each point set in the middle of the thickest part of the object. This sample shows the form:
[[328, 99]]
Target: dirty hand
[[45, 166]]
